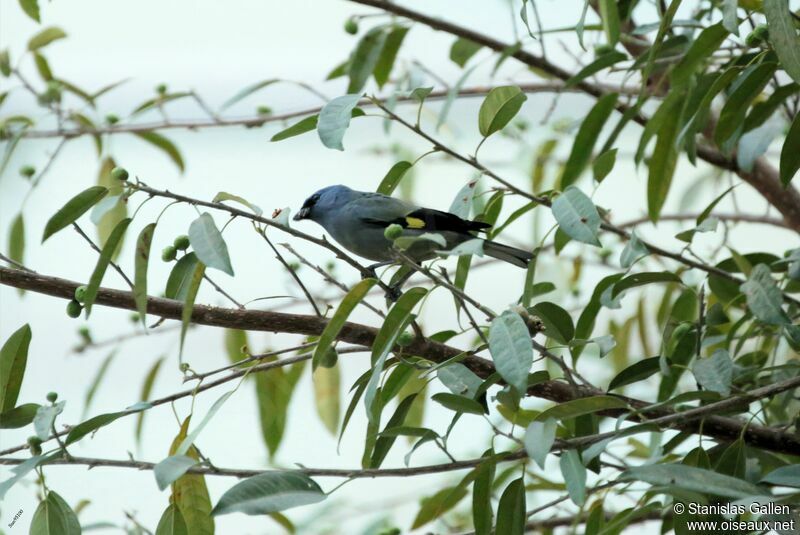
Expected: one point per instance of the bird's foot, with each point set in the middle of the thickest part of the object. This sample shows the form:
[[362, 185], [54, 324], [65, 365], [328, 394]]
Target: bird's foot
[[392, 294]]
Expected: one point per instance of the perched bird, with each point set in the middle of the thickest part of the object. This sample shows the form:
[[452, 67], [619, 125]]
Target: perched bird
[[358, 219]]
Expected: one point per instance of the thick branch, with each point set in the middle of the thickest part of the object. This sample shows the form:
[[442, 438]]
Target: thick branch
[[719, 427]]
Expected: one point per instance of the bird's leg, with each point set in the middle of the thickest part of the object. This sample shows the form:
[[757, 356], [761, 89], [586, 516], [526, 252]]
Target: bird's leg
[[399, 279], [369, 271]]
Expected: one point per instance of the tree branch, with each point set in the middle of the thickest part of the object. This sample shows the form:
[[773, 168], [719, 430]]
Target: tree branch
[[719, 427]]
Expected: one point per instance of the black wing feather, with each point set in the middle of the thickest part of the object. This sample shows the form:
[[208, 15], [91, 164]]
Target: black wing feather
[[434, 220]]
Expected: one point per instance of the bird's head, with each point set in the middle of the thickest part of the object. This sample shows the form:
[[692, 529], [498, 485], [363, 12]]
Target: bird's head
[[324, 202]]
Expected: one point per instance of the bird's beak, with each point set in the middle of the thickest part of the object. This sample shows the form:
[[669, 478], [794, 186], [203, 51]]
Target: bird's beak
[[301, 214]]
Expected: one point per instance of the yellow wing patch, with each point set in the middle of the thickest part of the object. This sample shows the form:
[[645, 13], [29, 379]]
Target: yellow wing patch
[[414, 222]]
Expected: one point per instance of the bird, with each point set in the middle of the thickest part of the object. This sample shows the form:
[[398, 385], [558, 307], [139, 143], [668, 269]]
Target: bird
[[357, 220]]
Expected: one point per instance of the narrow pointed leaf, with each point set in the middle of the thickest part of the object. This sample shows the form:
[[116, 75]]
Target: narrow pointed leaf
[[141, 260], [209, 245], [335, 324], [511, 349], [75, 207], [269, 492], [13, 359]]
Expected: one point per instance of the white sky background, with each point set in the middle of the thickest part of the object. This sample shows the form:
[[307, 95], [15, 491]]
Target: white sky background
[[217, 48]]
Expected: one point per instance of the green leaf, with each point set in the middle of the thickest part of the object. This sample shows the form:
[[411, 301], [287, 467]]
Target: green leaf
[[785, 476], [190, 438], [190, 493], [457, 403], [180, 277], [13, 359], [18, 416], [692, 479], [459, 379], [715, 373], [45, 37], [300, 127], [539, 438], [764, 298], [365, 58], [326, 396], [171, 469], [208, 244], [706, 44], [54, 517], [356, 294], [764, 109], [75, 207], [482, 496], [557, 321], [640, 279], [31, 8], [498, 108], [577, 216], [247, 91], [386, 59], [45, 416], [748, 86], [790, 156], [435, 506], [225, 196], [384, 443], [164, 144], [610, 16], [269, 492], [783, 36], [393, 177], [462, 50], [171, 522], [665, 155], [274, 393], [97, 381], [147, 388], [108, 217], [92, 424], [511, 349], [574, 474], [634, 250], [585, 139], [638, 371], [581, 406], [604, 164], [141, 259], [188, 305], [729, 19], [102, 264], [511, 515], [603, 62], [334, 118], [16, 240], [395, 323]]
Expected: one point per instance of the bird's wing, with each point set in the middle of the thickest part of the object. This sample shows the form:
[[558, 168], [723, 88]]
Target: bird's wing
[[375, 207], [386, 211]]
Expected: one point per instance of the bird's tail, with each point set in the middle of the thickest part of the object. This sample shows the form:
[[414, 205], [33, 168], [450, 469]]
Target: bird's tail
[[512, 255]]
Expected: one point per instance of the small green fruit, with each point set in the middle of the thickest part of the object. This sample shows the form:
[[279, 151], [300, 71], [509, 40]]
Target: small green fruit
[[600, 50], [112, 119], [169, 253], [393, 232], [760, 33], [329, 359], [119, 173], [27, 171], [264, 110], [80, 293], [134, 317], [34, 441], [181, 243], [405, 339], [52, 397], [74, 309], [161, 89], [351, 26]]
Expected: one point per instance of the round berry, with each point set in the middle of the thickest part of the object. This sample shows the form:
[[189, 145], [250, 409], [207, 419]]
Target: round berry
[[74, 309], [112, 119], [393, 232], [351, 26], [599, 50], [119, 173], [161, 89], [34, 441], [134, 317], [169, 253], [27, 171], [52, 397], [405, 339], [181, 243], [329, 359], [264, 110], [80, 293]]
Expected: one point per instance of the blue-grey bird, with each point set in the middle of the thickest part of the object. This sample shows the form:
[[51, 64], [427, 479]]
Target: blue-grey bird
[[358, 219]]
